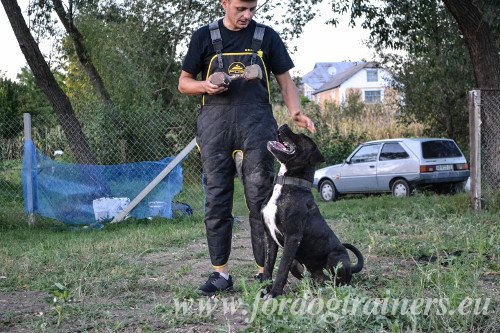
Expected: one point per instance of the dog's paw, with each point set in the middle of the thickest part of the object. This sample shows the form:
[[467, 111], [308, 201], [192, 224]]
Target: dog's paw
[[267, 296], [265, 290], [271, 293]]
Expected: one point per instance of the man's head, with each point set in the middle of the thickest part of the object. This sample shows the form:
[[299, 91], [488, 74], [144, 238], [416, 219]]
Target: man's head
[[239, 13]]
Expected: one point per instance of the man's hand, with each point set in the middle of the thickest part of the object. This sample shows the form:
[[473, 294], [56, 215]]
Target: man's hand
[[291, 99], [304, 121], [213, 89], [190, 86]]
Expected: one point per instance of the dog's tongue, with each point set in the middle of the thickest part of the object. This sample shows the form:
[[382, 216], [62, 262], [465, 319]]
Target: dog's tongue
[[278, 145]]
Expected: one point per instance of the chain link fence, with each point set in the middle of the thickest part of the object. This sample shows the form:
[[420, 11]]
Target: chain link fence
[[113, 136], [484, 111], [108, 137]]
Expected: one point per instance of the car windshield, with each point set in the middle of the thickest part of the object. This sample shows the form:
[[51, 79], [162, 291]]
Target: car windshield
[[440, 149]]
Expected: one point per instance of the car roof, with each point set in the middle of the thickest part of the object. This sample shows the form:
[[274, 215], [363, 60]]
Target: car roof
[[406, 139]]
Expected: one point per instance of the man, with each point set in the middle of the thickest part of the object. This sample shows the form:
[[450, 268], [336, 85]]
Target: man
[[236, 117]]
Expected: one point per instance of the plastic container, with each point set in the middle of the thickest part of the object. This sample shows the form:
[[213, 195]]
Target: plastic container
[[157, 208]]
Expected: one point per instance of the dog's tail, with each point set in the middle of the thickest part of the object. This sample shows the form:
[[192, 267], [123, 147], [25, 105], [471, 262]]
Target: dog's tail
[[359, 265]]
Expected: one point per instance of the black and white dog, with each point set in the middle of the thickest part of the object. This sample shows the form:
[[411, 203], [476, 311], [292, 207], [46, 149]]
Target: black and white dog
[[294, 222]]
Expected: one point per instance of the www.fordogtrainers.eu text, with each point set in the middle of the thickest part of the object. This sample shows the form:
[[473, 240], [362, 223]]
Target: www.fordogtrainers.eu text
[[331, 309]]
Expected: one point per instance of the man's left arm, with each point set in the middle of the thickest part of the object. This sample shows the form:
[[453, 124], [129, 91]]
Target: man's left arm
[[292, 102]]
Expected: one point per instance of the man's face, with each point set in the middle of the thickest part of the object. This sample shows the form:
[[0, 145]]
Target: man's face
[[239, 13]]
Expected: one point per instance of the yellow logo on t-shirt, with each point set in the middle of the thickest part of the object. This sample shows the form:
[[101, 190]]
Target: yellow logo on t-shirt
[[236, 68]]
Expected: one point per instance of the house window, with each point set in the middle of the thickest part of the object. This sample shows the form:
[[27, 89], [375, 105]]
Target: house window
[[371, 75], [373, 96]]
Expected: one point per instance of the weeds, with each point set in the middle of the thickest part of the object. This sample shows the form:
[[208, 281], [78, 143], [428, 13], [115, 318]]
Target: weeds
[[61, 296]]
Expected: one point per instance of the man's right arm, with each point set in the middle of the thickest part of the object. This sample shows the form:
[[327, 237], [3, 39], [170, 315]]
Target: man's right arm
[[188, 85]]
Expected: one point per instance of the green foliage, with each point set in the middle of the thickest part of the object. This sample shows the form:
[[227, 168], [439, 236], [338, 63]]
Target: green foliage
[[435, 75], [353, 106], [34, 102], [334, 144], [10, 105], [142, 80], [435, 89], [61, 296], [436, 72], [403, 24], [17, 98], [304, 101]]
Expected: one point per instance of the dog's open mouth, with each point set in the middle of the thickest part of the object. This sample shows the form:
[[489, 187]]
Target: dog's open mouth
[[284, 147]]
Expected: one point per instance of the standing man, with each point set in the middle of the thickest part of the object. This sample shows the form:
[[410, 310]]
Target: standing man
[[236, 117]]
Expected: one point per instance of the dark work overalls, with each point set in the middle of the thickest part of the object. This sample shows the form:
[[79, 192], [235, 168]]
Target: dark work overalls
[[239, 119]]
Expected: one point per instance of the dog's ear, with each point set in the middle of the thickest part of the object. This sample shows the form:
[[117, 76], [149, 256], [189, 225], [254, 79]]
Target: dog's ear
[[316, 157]]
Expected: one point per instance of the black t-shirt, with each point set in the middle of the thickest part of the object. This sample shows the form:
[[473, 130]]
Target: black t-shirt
[[200, 52]]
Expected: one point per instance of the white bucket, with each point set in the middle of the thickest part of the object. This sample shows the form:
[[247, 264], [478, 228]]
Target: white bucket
[[107, 208]]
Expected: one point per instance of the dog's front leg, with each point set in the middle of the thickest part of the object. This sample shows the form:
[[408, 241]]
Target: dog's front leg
[[291, 245], [271, 254]]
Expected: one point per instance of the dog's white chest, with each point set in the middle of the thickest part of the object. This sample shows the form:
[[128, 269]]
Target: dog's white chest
[[271, 208]]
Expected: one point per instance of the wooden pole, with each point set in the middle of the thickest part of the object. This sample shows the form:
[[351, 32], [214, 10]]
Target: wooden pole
[[155, 181], [475, 148]]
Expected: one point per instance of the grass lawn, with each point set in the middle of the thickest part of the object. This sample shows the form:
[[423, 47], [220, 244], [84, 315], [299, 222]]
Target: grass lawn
[[427, 251]]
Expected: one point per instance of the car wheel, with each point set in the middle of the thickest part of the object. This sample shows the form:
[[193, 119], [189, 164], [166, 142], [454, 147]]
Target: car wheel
[[327, 191], [458, 187], [400, 188]]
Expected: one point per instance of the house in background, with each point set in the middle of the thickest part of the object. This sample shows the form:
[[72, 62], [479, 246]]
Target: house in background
[[322, 73], [332, 82]]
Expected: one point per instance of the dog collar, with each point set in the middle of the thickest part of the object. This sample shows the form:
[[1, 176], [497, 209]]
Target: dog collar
[[283, 180]]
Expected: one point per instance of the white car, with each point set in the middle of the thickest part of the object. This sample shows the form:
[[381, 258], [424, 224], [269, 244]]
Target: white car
[[397, 166]]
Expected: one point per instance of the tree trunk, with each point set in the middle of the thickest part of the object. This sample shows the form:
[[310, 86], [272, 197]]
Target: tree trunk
[[48, 84], [485, 58], [81, 52], [480, 41]]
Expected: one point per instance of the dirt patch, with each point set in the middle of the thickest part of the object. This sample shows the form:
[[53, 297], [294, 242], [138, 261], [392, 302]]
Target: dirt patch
[[19, 307]]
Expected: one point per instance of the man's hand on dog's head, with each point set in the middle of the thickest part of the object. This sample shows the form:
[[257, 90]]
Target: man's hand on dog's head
[[304, 121]]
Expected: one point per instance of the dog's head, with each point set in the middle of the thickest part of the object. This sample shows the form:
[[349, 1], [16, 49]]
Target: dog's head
[[295, 151]]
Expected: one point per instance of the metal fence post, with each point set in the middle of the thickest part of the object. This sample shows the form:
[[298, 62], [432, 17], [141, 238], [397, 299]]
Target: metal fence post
[[29, 163], [475, 148]]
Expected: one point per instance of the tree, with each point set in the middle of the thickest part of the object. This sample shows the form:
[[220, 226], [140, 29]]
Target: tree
[[46, 81], [478, 22], [434, 74], [81, 50], [10, 93]]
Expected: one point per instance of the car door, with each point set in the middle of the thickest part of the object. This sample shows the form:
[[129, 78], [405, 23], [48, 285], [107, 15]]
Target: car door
[[359, 173], [395, 161]]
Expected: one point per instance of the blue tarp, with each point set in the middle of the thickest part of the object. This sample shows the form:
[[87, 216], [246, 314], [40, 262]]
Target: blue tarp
[[71, 192]]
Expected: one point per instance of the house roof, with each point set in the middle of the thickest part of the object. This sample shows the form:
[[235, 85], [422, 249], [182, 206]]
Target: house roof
[[323, 72], [340, 78]]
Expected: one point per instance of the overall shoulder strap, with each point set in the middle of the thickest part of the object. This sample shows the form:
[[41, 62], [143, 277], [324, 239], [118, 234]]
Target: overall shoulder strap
[[258, 36], [216, 41]]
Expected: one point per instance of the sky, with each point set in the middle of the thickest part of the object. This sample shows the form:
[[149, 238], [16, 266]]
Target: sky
[[318, 43]]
